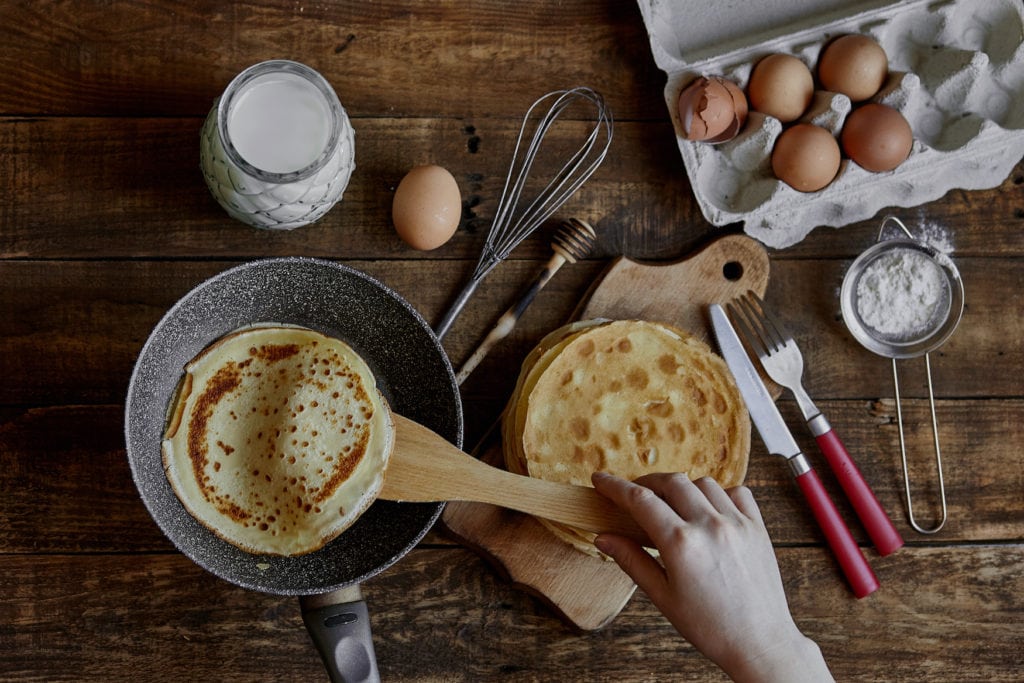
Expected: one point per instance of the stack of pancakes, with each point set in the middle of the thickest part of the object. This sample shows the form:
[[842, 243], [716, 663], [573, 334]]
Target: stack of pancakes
[[628, 397], [278, 439]]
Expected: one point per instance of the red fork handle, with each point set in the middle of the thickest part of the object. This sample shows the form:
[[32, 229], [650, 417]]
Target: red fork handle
[[856, 569], [876, 522]]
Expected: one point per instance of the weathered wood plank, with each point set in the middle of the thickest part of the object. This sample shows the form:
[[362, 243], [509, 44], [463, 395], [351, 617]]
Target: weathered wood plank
[[405, 59], [72, 329], [67, 486], [96, 617], [62, 196], [154, 203], [105, 222]]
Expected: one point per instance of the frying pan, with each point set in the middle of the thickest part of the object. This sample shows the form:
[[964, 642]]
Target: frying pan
[[413, 373]]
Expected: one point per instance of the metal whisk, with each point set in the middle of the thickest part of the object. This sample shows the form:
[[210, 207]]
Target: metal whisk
[[513, 223]]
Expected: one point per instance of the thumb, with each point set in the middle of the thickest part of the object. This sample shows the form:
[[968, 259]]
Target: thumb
[[646, 571]]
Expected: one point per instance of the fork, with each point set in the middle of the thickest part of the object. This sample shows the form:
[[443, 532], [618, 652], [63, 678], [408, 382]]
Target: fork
[[782, 361]]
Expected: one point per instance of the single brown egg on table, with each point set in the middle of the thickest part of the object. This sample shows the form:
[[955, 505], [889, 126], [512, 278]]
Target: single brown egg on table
[[853, 65], [877, 137], [806, 157], [712, 109], [427, 207], [781, 86]]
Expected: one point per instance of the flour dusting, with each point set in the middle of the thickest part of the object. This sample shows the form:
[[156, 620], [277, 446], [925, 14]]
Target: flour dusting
[[934, 235], [901, 294]]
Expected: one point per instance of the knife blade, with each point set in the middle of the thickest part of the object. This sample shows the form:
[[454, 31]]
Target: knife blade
[[763, 412], [779, 441]]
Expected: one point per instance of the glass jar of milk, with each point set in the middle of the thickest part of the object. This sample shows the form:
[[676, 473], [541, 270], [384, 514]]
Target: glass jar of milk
[[277, 149]]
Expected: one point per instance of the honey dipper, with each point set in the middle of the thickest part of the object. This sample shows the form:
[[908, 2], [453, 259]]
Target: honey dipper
[[572, 241]]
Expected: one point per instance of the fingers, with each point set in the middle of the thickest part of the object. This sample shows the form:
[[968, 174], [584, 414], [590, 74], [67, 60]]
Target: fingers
[[645, 571], [745, 503], [716, 495], [690, 500], [653, 515], [643, 503]]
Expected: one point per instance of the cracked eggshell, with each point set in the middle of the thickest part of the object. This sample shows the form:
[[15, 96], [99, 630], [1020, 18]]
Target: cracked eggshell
[[711, 109], [956, 74]]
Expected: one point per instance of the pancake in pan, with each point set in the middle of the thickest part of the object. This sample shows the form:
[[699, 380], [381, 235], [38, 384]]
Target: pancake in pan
[[278, 439]]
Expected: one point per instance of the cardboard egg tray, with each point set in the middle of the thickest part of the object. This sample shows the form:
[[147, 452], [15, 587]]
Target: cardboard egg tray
[[956, 72]]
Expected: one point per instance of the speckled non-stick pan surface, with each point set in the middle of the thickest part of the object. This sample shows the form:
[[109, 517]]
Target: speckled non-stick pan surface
[[411, 367]]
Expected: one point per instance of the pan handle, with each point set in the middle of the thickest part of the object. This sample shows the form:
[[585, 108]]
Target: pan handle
[[339, 624]]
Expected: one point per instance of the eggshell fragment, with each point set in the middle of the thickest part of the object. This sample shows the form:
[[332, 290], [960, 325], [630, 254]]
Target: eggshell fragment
[[806, 157], [877, 137], [712, 109], [781, 86], [427, 207], [853, 65]]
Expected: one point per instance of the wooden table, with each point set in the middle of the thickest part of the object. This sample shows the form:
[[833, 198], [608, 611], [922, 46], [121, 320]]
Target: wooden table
[[105, 223]]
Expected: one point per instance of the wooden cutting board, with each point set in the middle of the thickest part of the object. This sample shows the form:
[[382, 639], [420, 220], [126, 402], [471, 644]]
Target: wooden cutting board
[[588, 592]]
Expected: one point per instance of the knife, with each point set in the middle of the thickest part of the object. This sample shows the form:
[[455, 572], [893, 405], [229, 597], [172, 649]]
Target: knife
[[779, 441]]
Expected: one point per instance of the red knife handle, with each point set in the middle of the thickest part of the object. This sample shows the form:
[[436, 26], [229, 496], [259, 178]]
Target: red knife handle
[[878, 525], [856, 569]]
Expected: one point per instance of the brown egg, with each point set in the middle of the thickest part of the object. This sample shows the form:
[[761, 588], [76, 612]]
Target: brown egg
[[427, 207], [853, 65], [877, 137], [712, 109], [806, 157], [781, 86]]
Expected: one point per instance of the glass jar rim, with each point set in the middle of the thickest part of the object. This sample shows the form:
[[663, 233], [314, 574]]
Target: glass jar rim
[[261, 69]]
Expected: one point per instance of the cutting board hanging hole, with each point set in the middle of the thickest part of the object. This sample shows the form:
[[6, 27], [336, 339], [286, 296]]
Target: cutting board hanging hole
[[732, 271]]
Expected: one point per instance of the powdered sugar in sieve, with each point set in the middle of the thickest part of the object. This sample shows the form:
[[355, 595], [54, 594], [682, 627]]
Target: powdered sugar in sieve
[[901, 298]]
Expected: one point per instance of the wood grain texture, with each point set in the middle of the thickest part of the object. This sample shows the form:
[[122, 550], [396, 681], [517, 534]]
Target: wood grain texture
[[679, 293], [59, 200], [408, 59], [105, 222], [56, 161], [56, 311], [586, 592], [63, 465], [96, 617]]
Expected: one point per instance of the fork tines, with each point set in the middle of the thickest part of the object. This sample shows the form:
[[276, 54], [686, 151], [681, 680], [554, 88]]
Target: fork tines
[[759, 327]]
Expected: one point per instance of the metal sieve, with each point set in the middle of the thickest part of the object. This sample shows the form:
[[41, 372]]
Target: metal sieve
[[941, 322]]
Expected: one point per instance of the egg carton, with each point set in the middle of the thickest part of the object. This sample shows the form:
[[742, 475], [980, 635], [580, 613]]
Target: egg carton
[[956, 73]]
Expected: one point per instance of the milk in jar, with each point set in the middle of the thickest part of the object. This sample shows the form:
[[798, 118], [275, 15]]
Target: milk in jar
[[277, 149]]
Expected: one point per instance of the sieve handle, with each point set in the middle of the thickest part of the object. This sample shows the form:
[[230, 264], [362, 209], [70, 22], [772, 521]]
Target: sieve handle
[[876, 522]]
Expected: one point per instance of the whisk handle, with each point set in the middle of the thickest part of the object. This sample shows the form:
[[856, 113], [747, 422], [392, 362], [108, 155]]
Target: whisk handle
[[456, 308]]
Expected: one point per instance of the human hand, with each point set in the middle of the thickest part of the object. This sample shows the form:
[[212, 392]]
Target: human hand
[[718, 581]]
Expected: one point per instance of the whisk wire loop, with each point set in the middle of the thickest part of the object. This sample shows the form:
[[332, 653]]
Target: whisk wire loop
[[508, 231], [513, 224]]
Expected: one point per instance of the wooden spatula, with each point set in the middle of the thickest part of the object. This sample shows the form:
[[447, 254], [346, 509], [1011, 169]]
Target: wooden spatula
[[424, 467]]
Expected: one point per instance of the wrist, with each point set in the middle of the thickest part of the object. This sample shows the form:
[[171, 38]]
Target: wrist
[[792, 659]]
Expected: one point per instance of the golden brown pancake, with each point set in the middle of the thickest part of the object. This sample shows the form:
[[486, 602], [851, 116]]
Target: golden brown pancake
[[278, 439], [627, 397]]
